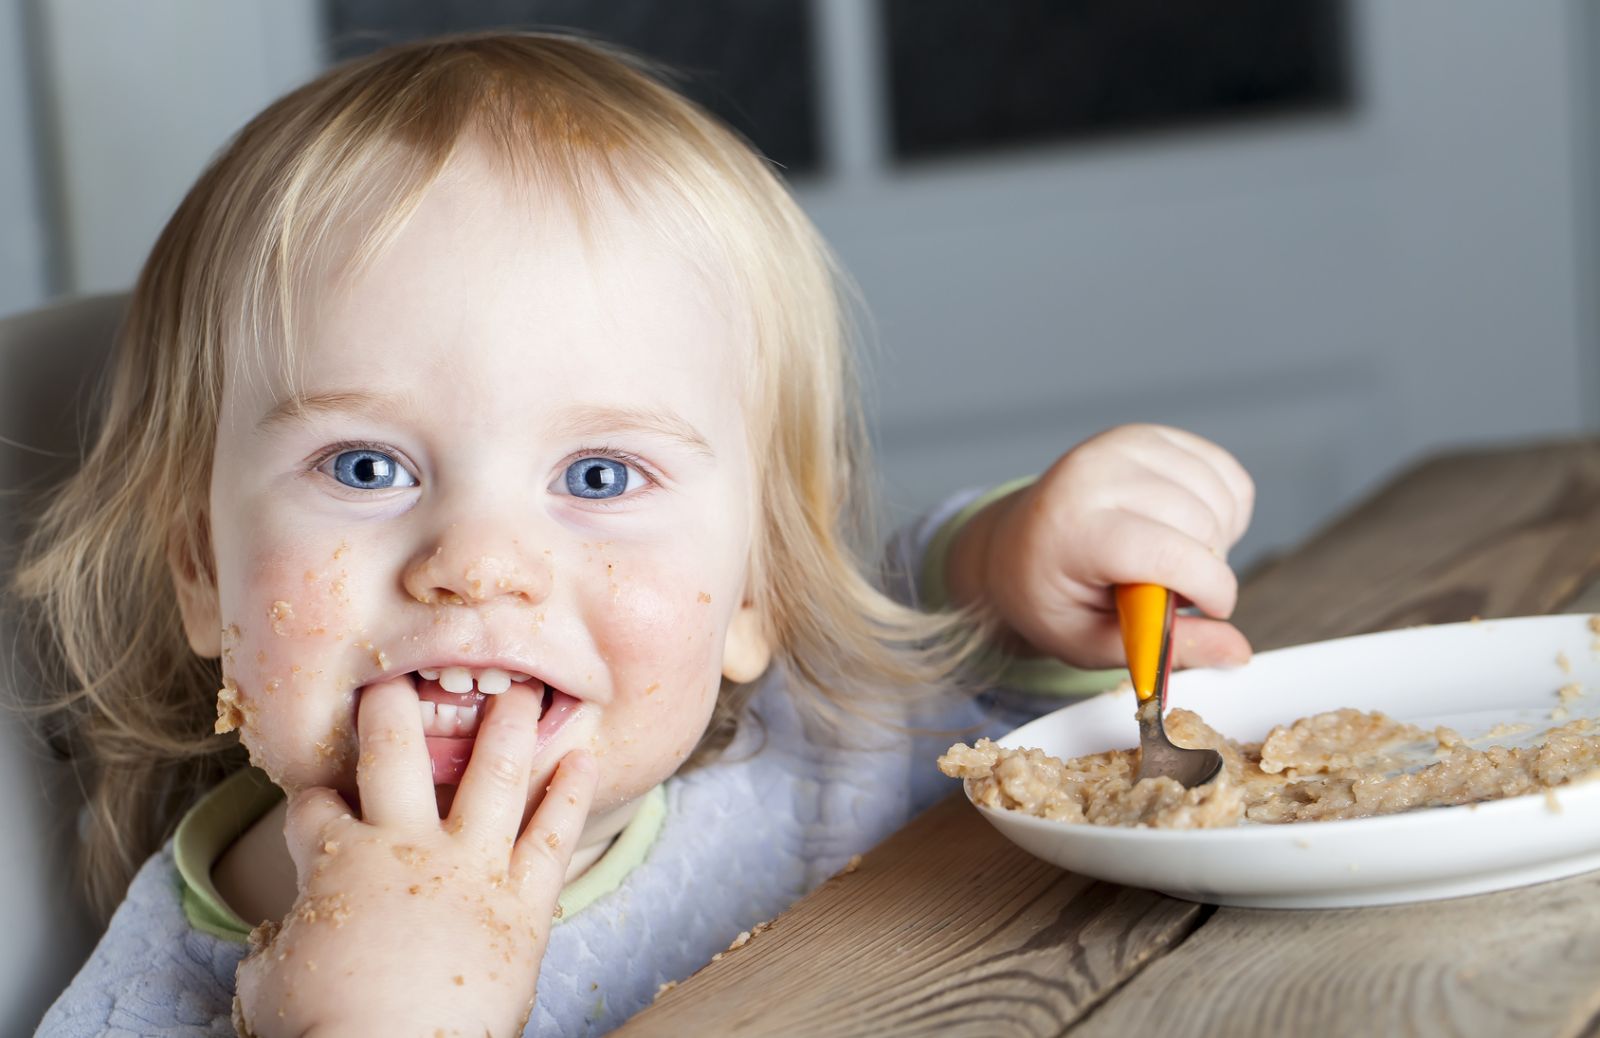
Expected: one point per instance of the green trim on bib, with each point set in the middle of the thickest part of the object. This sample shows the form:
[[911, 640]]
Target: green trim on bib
[[210, 827]]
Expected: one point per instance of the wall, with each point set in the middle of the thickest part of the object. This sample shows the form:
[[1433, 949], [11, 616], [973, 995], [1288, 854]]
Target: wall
[[24, 263], [141, 95]]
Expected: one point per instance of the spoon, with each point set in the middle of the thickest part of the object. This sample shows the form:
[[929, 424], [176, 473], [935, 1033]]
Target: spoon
[[1145, 613]]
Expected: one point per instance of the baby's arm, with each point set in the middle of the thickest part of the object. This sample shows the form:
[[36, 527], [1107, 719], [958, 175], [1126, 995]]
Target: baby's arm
[[1136, 504], [406, 923]]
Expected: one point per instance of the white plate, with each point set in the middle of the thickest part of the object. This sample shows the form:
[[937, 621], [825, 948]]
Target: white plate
[[1470, 676]]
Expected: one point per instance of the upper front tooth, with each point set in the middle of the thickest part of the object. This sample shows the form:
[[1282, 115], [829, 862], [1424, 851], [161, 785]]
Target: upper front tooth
[[455, 679], [429, 674], [517, 675], [493, 681]]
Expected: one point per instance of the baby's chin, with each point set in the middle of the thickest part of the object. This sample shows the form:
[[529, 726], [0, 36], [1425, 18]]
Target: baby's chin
[[294, 772]]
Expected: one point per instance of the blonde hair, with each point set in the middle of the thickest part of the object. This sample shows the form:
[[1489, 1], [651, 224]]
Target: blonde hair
[[366, 140]]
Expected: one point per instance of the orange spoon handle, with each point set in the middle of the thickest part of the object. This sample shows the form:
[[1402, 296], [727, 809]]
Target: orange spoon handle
[[1144, 612]]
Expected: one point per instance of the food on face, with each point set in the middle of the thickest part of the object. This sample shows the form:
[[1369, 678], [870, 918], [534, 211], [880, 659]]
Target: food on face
[[1334, 765], [230, 714]]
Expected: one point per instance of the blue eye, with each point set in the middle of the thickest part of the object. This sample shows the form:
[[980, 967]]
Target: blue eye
[[596, 478], [370, 470]]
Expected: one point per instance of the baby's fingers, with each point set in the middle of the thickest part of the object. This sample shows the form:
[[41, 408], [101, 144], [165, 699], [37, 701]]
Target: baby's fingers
[[1241, 487], [494, 790], [311, 813], [1136, 549], [539, 861], [1201, 642], [393, 772]]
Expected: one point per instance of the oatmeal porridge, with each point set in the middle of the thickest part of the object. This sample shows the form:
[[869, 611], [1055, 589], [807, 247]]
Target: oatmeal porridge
[[1339, 764]]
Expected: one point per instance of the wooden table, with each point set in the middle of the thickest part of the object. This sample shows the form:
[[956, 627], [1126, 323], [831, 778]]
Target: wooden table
[[946, 928]]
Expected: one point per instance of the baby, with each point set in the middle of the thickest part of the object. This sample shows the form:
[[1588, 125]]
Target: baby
[[483, 426]]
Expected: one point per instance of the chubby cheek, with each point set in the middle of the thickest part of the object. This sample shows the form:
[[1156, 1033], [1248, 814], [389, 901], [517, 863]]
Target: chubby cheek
[[292, 649], [661, 629]]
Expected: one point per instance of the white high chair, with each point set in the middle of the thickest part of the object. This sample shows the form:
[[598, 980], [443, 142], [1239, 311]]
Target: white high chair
[[50, 361]]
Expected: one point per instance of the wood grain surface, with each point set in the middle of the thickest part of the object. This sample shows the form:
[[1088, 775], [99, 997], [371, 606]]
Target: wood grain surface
[[1489, 534], [1519, 962], [948, 929], [945, 928]]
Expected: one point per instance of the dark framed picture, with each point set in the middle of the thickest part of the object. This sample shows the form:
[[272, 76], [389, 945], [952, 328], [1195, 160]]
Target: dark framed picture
[[966, 76], [748, 61]]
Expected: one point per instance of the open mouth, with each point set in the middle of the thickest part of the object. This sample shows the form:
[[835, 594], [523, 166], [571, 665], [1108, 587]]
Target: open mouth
[[450, 720]]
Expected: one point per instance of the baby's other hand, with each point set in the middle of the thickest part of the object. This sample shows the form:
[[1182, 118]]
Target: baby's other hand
[[1135, 504], [406, 922]]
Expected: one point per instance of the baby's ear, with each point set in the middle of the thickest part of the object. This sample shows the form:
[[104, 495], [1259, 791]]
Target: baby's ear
[[748, 650], [194, 577]]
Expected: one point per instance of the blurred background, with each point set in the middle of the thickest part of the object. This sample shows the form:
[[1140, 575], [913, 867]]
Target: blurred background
[[1333, 235]]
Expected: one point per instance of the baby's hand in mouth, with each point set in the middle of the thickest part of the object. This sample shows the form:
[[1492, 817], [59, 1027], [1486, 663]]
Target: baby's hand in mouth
[[453, 700], [406, 921]]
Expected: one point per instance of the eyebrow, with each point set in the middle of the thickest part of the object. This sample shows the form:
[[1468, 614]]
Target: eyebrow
[[298, 410], [592, 420], [588, 420]]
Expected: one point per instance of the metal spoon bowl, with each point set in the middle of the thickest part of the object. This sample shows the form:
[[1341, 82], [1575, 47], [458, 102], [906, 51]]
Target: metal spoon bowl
[[1145, 612], [1160, 757]]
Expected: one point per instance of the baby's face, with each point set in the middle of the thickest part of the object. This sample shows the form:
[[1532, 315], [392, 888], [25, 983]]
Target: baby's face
[[520, 454]]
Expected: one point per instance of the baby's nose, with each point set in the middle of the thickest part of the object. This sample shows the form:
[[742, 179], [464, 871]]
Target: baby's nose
[[468, 567]]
